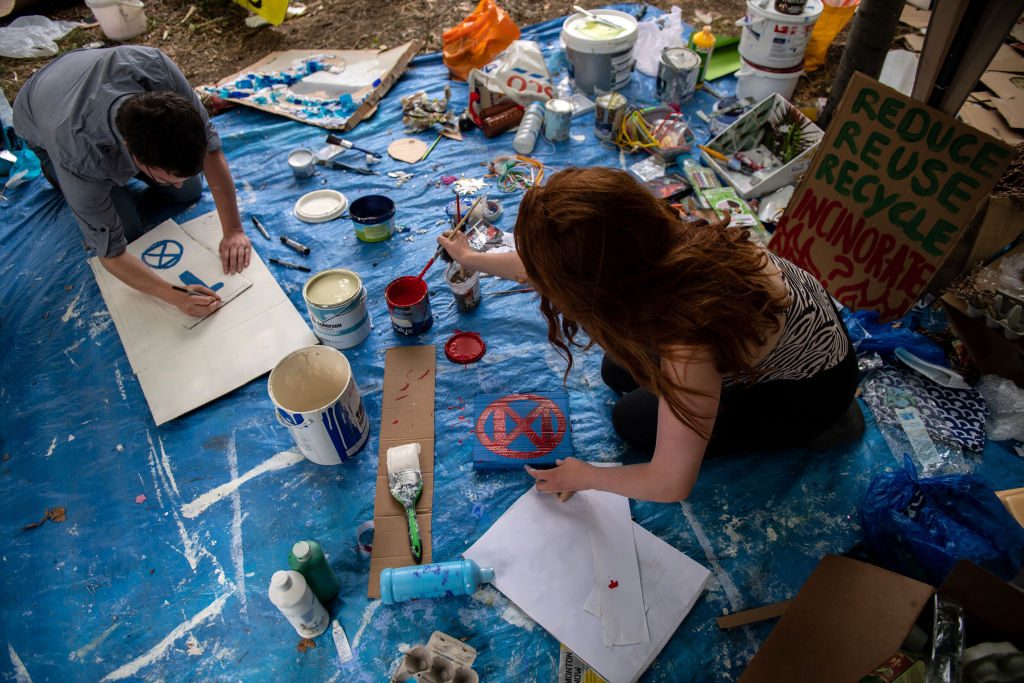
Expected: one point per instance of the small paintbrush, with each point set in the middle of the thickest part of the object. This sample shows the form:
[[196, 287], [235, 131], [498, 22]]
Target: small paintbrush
[[406, 483], [460, 226]]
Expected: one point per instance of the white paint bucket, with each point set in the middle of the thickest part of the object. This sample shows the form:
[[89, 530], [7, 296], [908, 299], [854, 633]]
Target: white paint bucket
[[756, 83], [336, 302], [316, 398], [773, 39], [119, 19], [599, 57]]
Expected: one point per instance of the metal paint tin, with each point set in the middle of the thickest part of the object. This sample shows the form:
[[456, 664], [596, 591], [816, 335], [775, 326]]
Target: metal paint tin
[[677, 75], [315, 396], [557, 119], [336, 302], [301, 162], [374, 217], [609, 111], [409, 306]]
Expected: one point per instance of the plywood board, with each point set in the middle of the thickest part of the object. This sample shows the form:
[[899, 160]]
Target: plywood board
[[886, 198], [407, 416], [180, 369]]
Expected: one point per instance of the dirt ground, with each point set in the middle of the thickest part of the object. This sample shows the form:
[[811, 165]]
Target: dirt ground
[[208, 39]]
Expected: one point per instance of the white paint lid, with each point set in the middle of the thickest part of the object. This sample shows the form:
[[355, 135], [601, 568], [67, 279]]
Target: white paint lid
[[320, 206], [575, 36], [301, 551], [766, 9]]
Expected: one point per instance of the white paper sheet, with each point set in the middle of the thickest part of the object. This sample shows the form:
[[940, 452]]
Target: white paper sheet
[[181, 369], [536, 549], [616, 572]]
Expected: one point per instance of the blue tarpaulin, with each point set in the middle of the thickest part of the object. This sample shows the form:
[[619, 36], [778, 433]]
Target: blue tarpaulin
[[160, 570]]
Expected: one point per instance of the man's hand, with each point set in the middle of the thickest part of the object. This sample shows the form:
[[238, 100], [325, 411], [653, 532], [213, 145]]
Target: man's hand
[[569, 475], [235, 252], [197, 306]]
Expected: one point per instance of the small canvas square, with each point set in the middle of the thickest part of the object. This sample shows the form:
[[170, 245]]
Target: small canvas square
[[512, 430]]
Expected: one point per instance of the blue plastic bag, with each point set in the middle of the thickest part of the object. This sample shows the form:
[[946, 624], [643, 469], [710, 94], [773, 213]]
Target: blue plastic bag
[[869, 335], [921, 527]]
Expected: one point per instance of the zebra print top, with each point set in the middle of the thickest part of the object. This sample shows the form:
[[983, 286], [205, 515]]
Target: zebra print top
[[813, 336]]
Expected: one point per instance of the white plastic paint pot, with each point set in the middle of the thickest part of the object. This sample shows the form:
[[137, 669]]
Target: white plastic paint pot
[[119, 19], [757, 83], [336, 302], [773, 39], [600, 58], [316, 398]]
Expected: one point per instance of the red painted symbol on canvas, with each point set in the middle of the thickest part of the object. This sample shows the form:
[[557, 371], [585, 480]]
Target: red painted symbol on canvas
[[552, 426], [613, 584]]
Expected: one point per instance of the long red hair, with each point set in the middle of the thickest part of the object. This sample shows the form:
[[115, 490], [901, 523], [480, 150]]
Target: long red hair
[[610, 259]]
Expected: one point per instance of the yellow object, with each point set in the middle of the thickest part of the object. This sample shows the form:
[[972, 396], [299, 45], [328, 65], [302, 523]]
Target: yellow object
[[273, 11], [703, 43], [830, 23], [714, 152], [1013, 499], [477, 39]]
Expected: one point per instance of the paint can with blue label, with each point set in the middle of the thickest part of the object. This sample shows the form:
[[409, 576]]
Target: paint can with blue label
[[409, 305], [315, 396], [374, 217], [336, 302]]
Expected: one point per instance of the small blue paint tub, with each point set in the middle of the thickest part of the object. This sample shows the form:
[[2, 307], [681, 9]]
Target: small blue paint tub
[[374, 217]]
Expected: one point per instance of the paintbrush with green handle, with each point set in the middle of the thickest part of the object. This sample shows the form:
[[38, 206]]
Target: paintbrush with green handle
[[406, 483]]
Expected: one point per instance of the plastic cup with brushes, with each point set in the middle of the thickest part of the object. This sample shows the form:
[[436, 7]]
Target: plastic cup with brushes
[[405, 480]]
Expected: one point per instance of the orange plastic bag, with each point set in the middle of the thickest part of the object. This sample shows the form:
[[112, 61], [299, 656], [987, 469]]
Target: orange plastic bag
[[477, 39]]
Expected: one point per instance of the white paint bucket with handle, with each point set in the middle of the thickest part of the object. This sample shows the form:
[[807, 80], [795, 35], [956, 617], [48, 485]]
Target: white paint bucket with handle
[[119, 19], [316, 398]]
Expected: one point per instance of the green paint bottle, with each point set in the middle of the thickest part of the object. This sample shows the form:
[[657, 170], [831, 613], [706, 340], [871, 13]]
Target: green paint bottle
[[307, 558]]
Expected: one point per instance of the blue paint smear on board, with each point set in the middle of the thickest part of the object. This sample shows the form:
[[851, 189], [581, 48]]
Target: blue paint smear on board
[[165, 591]]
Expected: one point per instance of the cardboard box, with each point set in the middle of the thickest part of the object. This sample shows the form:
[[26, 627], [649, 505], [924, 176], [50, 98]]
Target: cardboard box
[[746, 133], [887, 197], [849, 617], [512, 430]]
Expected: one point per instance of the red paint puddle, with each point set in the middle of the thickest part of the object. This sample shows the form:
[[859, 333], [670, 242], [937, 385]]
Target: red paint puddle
[[395, 422], [613, 584]]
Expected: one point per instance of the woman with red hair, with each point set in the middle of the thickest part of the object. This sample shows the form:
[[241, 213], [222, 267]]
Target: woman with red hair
[[715, 344]]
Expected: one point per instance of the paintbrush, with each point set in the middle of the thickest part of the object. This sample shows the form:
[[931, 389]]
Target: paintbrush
[[406, 484], [459, 226]]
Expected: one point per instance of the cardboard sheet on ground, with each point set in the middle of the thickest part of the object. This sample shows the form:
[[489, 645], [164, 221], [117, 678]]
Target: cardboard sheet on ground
[[180, 368], [178, 259], [364, 75], [407, 416], [541, 553], [886, 198]]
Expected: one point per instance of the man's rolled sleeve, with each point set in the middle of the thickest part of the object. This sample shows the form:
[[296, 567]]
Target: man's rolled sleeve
[[94, 210]]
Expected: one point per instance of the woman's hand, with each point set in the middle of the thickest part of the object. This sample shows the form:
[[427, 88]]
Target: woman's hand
[[569, 475], [457, 245]]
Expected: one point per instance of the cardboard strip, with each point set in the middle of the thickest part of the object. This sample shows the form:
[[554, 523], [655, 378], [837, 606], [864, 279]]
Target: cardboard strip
[[407, 416], [753, 615]]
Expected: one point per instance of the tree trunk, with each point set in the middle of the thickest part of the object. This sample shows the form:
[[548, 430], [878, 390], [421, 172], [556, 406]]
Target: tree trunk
[[870, 40]]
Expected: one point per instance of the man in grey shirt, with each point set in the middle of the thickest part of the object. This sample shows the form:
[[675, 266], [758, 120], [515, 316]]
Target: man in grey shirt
[[97, 119]]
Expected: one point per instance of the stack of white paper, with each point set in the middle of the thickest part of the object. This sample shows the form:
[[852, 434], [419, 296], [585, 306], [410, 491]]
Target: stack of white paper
[[180, 367], [608, 589]]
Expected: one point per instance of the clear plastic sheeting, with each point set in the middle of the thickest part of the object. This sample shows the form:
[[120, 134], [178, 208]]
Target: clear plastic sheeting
[[172, 534]]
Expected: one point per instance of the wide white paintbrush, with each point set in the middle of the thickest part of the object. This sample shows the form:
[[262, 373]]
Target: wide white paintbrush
[[406, 483]]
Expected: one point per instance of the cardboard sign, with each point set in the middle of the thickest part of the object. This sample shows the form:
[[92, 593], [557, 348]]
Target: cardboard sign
[[886, 198], [407, 416]]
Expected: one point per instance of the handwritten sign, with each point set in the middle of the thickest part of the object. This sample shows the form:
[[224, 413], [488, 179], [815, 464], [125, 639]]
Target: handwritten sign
[[886, 198]]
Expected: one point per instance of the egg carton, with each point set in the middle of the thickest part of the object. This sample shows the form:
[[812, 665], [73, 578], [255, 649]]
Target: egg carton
[[443, 659], [1006, 313]]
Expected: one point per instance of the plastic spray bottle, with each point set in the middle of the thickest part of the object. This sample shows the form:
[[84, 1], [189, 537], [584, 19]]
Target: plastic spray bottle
[[443, 579], [291, 595], [703, 43], [529, 128], [307, 558]]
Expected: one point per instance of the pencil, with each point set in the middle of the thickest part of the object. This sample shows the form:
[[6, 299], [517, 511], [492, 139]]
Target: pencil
[[715, 153], [431, 148], [176, 288]]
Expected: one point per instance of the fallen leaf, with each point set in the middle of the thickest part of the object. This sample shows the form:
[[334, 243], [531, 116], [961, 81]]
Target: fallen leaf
[[55, 514], [305, 644], [702, 17]]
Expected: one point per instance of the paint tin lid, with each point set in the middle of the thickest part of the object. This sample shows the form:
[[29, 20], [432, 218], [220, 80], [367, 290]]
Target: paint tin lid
[[465, 347], [320, 206]]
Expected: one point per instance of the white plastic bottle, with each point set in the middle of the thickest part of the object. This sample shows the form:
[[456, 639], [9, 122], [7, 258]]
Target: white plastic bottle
[[529, 128], [291, 595]]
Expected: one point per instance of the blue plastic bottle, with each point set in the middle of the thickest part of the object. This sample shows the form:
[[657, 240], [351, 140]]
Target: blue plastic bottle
[[443, 579]]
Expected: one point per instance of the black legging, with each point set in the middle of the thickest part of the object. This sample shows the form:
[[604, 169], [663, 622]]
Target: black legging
[[758, 417]]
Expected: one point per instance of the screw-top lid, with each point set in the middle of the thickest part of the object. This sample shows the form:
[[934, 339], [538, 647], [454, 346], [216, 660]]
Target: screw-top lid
[[281, 580], [302, 551], [487, 574]]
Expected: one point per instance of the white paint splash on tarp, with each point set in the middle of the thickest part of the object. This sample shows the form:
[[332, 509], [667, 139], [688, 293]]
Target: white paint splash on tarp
[[160, 649], [120, 383], [72, 311], [92, 644], [20, 672], [237, 556], [71, 349], [279, 461], [367, 617], [99, 324], [725, 581], [511, 614], [51, 449], [193, 647]]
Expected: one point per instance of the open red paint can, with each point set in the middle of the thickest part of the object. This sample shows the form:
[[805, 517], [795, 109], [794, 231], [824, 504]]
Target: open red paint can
[[409, 306]]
